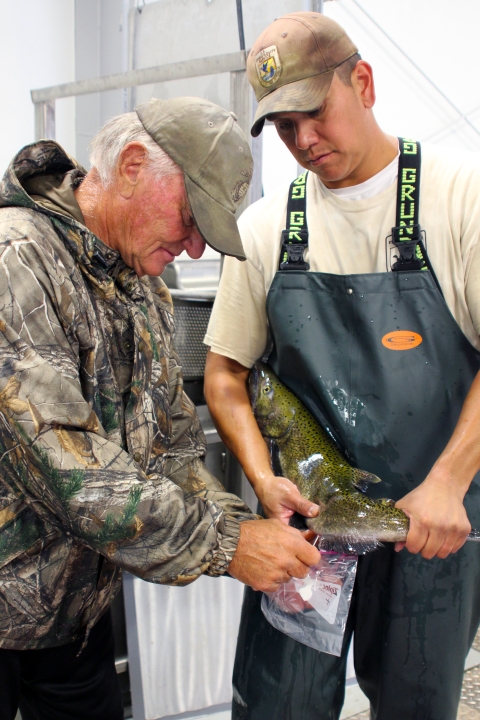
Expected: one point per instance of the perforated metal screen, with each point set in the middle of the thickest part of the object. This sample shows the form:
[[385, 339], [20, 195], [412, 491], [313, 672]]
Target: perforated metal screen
[[191, 320]]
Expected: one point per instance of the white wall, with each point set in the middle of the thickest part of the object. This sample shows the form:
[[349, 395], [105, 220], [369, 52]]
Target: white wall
[[37, 49], [173, 30], [101, 48], [440, 37]]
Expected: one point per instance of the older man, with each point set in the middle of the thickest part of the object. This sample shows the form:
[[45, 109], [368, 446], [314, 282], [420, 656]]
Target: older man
[[101, 452]]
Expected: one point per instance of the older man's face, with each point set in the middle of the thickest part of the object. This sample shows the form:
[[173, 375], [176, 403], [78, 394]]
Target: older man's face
[[159, 225]]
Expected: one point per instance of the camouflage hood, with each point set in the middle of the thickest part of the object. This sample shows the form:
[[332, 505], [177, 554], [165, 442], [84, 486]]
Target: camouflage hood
[[42, 159], [46, 168], [101, 452]]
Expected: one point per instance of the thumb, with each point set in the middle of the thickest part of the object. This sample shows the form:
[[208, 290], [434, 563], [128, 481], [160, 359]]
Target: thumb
[[303, 507]]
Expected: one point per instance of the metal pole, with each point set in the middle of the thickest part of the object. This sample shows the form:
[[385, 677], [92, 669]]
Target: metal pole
[[39, 120], [240, 100], [50, 119], [241, 34], [312, 5], [45, 120], [132, 24], [240, 105], [133, 645], [243, 104], [145, 76], [256, 144]]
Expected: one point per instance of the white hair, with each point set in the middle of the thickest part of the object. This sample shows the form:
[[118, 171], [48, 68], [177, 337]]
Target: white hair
[[117, 132]]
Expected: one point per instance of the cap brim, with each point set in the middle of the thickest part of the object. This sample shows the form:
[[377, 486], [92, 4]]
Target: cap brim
[[216, 224], [300, 96]]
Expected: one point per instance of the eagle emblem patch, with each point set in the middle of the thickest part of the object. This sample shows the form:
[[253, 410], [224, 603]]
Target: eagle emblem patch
[[268, 65]]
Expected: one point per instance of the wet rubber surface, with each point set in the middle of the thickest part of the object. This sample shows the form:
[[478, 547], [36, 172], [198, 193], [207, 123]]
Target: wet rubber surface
[[470, 700]]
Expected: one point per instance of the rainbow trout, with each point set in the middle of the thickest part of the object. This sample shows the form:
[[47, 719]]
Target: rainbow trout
[[348, 521]]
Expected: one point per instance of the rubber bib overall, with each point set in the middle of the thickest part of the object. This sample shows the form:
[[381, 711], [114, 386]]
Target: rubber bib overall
[[380, 361]]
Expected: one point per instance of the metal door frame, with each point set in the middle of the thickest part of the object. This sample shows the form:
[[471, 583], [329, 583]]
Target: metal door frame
[[242, 101]]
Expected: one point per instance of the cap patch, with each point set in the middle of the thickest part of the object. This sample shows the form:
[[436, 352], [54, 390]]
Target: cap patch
[[240, 188], [268, 65]]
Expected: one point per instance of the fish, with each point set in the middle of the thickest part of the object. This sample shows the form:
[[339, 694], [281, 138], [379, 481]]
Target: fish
[[348, 521]]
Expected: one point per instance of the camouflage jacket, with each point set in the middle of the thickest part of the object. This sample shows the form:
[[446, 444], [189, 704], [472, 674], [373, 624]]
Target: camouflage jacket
[[96, 474]]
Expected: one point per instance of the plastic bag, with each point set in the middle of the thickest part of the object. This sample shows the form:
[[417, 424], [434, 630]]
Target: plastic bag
[[314, 610]]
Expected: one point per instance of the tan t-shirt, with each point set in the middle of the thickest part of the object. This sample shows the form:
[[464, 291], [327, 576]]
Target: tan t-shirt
[[347, 237]]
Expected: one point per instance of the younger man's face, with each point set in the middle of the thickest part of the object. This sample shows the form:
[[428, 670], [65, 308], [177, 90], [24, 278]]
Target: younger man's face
[[330, 141]]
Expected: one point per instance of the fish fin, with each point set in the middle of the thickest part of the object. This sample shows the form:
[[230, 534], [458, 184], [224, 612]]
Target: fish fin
[[362, 479], [298, 521], [348, 545], [275, 456]]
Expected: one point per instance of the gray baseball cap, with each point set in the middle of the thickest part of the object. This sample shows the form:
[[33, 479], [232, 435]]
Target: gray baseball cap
[[208, 144]]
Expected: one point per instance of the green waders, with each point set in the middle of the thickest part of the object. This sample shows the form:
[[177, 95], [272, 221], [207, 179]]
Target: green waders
[[380, 361]]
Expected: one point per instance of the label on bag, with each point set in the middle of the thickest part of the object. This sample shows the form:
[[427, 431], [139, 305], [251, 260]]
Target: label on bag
[[325, 598]]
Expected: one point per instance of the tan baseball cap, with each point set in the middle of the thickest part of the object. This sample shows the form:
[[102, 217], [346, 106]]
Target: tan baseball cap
[[291, 65], [208, 144]]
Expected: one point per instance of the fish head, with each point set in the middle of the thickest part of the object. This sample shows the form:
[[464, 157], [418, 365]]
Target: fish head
[[273, 413]]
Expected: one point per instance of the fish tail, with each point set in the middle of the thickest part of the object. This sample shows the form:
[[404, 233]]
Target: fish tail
[[362, 479]]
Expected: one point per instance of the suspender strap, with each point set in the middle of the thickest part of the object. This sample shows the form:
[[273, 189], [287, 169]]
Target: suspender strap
[[295, 237], [407, 234]]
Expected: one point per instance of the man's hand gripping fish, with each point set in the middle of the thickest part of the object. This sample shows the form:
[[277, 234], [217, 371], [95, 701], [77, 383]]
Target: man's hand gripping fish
[[348, 520]]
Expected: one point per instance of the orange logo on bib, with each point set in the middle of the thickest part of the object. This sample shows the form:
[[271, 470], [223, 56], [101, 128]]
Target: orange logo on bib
[[402, 340]]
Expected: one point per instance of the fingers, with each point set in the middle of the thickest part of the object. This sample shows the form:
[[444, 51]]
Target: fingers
[[295, 570], [309, 535], [298, 569], [280, 498], [438, 521], [450, 545], [433, 545], [434, 542], [268, 585], [459, 544], [417, 537], [270, 553], [306, 553], [304, 507]]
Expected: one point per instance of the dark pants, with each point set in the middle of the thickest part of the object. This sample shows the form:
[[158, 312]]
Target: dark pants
[[414, 621], [55, 684]]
